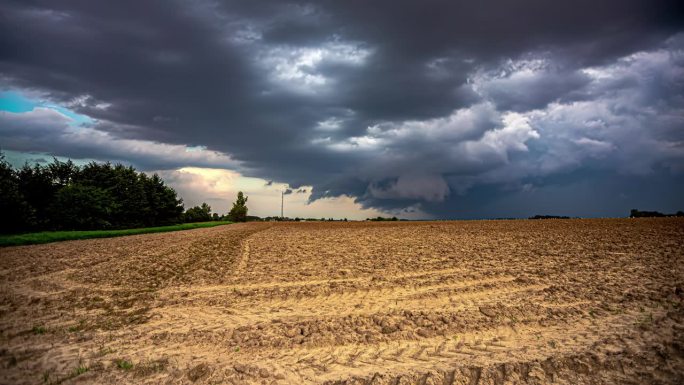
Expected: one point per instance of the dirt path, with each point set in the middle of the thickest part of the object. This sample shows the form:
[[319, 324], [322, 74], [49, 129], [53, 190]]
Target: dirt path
[[483, 302]]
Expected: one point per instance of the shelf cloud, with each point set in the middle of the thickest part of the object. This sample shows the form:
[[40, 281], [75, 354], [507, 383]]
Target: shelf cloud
[[451, 109]]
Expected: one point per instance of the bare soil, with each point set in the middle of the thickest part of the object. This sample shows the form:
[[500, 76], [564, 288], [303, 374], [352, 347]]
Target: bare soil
[[478, 302]]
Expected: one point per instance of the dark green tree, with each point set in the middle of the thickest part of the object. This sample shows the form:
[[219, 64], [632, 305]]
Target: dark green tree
[[198, 214], [129, 194], [64, 196], [15, 213], [62, 172], [163, 207], [79, 207], [239, 211], [138, 199], [38, 187]]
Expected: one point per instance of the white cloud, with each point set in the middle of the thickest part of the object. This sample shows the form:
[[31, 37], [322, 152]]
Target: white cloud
[[527, 83], [297, 68], [330, 124], [460, 124], [595, 147], [357, 143], [516, 131]]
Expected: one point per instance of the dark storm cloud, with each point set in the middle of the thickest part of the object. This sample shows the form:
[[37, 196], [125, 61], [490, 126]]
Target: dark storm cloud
[[44, 130], [399, 104]]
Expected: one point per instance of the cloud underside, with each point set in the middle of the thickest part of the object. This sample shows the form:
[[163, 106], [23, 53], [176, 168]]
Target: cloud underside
[[451, 110]]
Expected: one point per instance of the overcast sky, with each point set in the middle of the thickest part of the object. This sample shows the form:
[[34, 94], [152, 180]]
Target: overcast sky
[[421, 109]]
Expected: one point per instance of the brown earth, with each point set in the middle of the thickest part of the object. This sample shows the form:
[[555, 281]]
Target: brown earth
[[478, 302]]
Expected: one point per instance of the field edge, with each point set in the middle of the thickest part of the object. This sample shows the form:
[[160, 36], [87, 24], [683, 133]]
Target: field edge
[[43, 237]]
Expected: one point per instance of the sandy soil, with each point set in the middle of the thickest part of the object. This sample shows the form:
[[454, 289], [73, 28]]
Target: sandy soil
[[480, 302]]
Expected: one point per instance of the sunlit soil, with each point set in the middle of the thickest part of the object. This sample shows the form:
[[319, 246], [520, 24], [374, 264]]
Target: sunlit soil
[[488, 302]]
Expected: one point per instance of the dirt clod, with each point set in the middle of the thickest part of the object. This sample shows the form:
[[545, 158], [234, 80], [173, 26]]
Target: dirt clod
[[198, 372]]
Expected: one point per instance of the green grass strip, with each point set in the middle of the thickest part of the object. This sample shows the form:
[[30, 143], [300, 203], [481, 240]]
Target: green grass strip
[[56, 236]]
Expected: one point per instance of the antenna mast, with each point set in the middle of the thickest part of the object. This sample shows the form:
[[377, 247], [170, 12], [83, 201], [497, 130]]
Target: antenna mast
[[282, 201]]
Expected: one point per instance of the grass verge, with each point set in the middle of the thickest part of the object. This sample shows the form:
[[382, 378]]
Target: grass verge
[[56, 236]]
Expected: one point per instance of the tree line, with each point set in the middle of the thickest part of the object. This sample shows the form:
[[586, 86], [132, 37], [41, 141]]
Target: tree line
[[64, 196], [634, 213]]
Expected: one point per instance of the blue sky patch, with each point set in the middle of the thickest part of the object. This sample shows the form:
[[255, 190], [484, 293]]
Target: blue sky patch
[[16, 102]]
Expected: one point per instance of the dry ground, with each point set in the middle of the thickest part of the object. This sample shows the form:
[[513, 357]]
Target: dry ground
[[488, 302]]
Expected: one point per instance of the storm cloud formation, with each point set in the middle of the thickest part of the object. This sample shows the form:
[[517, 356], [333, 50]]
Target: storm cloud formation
[[454, 109]]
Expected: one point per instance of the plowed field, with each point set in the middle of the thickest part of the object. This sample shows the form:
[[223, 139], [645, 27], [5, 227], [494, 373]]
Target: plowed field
[[477, 302]]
